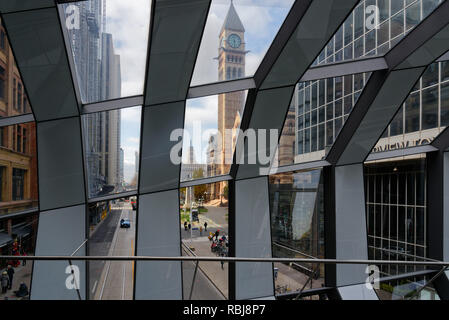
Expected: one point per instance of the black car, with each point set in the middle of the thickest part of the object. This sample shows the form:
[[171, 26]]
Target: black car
[[125, 223]]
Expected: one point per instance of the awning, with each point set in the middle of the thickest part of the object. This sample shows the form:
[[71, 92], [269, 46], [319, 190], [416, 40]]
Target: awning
[[4, 239]]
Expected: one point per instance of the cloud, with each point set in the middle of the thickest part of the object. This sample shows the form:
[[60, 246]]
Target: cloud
[[128, 22], [132, 115], [262, 20]]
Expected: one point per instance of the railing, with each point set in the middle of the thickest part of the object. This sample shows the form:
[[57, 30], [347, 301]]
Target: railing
[[442, 265]]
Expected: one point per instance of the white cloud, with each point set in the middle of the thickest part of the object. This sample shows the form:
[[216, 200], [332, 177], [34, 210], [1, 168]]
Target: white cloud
[[128, 22], [132, 114], [261, 19]]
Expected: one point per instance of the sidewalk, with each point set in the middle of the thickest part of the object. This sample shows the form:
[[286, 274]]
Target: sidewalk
[[212, 270], [294, 280], [21, 274]]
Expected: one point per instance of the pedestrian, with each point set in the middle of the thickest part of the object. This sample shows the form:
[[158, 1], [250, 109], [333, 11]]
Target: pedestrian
[[190, 226], [185, 225], [205, 226], [217, 233], [4, 281], [201, 231], [10, 272], [222, 262]]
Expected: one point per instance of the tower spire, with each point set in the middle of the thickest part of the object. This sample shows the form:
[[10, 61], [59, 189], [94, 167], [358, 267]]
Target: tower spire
[[232, 20]]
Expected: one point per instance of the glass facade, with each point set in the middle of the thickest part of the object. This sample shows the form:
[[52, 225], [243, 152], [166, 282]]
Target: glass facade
[[297, 228], [112, 232], [111, 141], [397, 213], [204, 233], [211, 130], [374, 27], [71, 167], [242, 32], [109, 64]]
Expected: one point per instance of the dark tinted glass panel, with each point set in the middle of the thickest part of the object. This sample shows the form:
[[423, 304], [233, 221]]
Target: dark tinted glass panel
[[297, 227]]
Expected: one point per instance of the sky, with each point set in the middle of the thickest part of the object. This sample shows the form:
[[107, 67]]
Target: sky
[[262, 20], [128, 22]]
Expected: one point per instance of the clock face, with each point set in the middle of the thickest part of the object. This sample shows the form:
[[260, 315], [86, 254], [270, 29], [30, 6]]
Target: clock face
[[234, 41]]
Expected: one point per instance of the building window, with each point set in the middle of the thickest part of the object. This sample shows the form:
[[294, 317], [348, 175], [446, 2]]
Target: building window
[[19, 97], [2, 83], [14, 94], [18, 179]]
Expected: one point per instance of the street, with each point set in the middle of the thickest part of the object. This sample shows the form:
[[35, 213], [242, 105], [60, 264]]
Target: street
[[211, 279], [113, 280]]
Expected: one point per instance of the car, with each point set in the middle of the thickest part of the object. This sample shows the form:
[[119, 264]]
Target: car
[[125, 223]]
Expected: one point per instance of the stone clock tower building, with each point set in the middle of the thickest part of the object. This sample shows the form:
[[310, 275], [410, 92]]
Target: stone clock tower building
[[231, 65]]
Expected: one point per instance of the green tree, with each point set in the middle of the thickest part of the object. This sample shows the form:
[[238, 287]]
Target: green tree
[[198, 191]]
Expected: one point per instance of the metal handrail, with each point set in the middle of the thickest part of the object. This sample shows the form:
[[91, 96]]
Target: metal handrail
[[226, 259]]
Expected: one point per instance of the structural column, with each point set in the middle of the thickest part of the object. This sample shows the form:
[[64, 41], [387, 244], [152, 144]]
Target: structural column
[[252, 239], [345, 225], [438, 214]]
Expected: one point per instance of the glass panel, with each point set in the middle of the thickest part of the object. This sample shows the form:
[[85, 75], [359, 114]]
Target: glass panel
[[311, 138], [297, 228], [18, 168], [111, 141], [210, 134], [112, 232], [13, 98], [395, 197], [109, 40], [242, 33], [17, 237], [205, 233], [423, 115], [407, 288], [391, 25]]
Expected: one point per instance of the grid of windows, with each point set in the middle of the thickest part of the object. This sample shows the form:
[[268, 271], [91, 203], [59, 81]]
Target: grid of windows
[[396, 213], [363, 35]]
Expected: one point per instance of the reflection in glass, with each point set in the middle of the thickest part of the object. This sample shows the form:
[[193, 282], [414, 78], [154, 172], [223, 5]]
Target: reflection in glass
[[13, 99], [242, 32], [396, 213], [310, 129], [108, 39], [204, 233], [211, 129], [112, 232], [111, 141], [407, 289], [18, 238], [297, 218], [18, 168], [393, 23], [423, 115]]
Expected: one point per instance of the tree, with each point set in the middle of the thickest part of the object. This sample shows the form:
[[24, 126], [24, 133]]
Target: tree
[[198, 191]]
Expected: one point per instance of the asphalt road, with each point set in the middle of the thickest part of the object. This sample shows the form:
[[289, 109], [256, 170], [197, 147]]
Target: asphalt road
[[113, 280]]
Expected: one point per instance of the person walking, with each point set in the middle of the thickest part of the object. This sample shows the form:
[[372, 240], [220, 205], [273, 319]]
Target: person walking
[[10, 272], [217, 233], [185, 225], [4, 281], [190, 226], [205, 226], [201, 231]]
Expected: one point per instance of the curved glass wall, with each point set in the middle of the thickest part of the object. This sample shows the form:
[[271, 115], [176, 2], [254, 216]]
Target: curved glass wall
[[297, 228], [236, 38]]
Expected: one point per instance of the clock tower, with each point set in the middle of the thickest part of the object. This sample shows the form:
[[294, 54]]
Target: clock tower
[[231, 66]]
